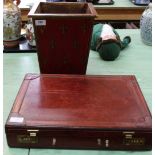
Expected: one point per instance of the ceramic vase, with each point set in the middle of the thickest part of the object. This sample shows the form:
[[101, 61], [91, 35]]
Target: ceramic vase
[[11, 24], [30, 36], [146, 25]]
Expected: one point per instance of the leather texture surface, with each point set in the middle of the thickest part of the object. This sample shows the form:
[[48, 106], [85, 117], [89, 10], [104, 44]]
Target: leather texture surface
[[82, 101]]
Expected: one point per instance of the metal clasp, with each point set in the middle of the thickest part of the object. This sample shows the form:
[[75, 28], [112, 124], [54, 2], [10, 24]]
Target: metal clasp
[[54, 141], [33, 133], [107, 143], [128, 134], [99, 141]]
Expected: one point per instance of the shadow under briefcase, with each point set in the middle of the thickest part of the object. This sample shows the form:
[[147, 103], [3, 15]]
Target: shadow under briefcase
[[80, 112]]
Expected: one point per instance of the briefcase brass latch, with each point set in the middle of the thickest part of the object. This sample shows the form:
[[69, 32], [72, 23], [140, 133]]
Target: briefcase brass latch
[[33, 133], [130, 139]]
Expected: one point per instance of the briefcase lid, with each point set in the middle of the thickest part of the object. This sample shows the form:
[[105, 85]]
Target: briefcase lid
[[80, 101]]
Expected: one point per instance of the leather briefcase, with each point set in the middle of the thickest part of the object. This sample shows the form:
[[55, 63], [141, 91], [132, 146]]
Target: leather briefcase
[[80, 112]]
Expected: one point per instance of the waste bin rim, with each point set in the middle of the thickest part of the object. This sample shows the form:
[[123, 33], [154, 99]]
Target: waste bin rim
[[33, 14], [38, 16]]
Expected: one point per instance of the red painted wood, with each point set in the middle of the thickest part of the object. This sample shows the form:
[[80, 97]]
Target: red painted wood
[[63, 42]]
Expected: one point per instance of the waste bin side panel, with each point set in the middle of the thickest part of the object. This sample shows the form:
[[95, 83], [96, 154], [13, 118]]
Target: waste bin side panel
[[63, 44]]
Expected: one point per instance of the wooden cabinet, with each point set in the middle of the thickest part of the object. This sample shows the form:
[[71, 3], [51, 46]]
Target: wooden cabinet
[[118, 13], [121, 10]]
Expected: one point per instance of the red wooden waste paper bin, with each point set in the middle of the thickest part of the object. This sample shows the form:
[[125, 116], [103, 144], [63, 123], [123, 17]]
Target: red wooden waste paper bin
[[63, 33]]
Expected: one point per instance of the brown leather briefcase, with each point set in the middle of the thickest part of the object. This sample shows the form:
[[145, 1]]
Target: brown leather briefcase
[[80, 112]]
